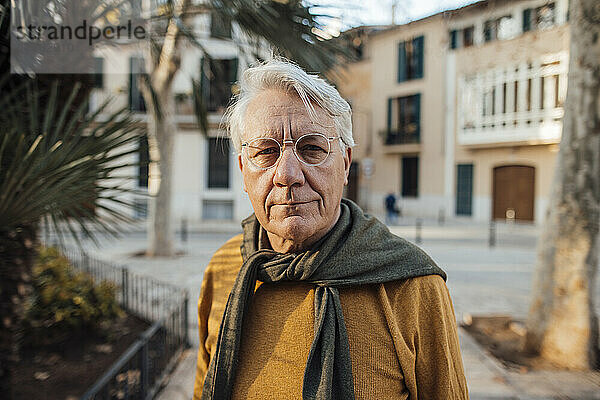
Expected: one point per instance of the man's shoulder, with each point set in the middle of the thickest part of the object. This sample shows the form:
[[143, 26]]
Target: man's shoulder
[[417, 291], [228, 258], [424, 282]]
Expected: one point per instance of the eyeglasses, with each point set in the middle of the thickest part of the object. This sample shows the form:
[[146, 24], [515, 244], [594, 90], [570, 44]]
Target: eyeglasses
[[310, 149]]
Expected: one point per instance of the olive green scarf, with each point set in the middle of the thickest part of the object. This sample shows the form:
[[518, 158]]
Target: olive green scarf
[[358, 250]]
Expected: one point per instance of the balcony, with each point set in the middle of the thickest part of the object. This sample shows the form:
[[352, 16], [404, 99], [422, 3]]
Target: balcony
[[401, 142], [401, 137], [541, 127], [520, 104]]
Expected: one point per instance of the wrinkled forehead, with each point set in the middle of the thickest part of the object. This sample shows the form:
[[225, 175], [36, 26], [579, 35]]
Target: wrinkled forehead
[[282, 114]]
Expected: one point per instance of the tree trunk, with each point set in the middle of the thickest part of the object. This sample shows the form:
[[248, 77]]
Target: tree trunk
[[17, 252], [163, 128], [561, 325], [161, 141]]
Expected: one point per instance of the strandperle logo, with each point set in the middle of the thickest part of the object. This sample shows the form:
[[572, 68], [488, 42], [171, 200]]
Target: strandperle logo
[[83, 31], [69, 36]]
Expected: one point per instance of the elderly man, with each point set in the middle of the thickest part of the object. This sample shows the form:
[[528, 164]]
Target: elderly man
[[316, 300]]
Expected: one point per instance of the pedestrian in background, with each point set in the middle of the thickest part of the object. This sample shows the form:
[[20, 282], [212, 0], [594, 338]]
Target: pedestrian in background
[[391, 209]]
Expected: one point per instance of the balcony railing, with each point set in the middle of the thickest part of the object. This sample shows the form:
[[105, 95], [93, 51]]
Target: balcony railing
[[517, 103], [542, 126], [401, 137]]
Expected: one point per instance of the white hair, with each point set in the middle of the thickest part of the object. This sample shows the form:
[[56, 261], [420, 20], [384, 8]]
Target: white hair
[[280, 73]]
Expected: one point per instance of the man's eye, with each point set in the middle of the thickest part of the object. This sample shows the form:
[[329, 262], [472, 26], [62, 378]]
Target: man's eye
[[268, 151], [312, 147]]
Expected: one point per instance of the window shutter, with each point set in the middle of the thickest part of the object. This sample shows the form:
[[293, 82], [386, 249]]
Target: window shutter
[[136, 100], [401, 62], [204, 83], [453, 39], [419, 55], [233, 70], [417, 99], [487, 31], [389, 116], [527, 20]]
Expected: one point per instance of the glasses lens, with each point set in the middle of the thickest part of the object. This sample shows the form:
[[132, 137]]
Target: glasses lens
[[312, 149], [263, 153]]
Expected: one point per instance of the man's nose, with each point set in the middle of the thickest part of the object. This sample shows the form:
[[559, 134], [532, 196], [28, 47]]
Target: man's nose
[[288, 171]]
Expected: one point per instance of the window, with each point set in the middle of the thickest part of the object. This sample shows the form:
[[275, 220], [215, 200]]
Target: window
[[217, 209], [144, 160], [499, 28], [220, 26], [454, 39], [462, 37], [218, 77], [539, 18], [490, 31], [410, 59], [468, 35], [136, 100], [404, 120], [97, 79], [464, 189], [218, 163], [410, 176]]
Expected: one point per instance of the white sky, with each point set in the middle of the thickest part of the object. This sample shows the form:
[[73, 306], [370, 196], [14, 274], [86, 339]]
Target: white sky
[[379, 12]]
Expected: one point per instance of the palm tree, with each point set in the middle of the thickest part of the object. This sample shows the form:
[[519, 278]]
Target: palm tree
[[289, 26], [59, 167]]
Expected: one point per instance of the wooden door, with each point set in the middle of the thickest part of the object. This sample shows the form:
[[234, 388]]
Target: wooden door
[[514, 192]]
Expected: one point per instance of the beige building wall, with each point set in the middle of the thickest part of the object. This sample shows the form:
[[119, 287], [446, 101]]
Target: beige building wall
[[191, 193], [541, 157], [538, 151], [444, 143], [354, 84], [385, 85]]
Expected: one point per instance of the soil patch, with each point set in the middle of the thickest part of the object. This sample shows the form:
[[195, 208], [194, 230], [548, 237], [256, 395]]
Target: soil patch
[[503, 337], [66, 371]]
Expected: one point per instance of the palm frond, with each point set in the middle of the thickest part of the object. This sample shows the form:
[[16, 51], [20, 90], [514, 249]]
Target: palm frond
[[290, 27], [54, 163]]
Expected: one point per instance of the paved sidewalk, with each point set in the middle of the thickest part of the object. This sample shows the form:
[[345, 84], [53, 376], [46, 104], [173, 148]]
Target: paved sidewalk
[[482, 280]]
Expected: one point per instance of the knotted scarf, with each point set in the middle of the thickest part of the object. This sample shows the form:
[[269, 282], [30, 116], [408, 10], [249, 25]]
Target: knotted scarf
[[358, 250]]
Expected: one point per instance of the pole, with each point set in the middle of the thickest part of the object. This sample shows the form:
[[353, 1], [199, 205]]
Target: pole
[[492, 236], [419, 225], [184, 230]]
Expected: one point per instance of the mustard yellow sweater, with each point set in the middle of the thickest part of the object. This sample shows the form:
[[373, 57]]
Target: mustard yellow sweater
[[402, 336]]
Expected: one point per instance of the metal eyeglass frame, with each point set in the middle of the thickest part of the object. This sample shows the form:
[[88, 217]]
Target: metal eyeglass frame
[[294, 142]]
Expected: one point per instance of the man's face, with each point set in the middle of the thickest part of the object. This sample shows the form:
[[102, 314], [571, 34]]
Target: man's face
[[297, 204]]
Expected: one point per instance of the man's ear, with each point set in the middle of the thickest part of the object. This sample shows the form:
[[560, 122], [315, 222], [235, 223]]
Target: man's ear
[[241, 165], [347, 163]]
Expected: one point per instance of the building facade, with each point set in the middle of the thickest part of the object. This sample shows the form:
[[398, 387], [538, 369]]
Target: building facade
[[465, 110], [207, 183]]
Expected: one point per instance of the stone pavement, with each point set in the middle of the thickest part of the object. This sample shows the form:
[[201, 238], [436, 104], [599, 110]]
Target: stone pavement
[[481, 280]]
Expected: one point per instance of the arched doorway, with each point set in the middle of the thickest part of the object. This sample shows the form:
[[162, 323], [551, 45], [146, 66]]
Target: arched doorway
[[514, 192]]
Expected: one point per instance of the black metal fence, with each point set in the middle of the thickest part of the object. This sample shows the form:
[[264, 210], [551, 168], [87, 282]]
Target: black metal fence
[[140, 371]]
